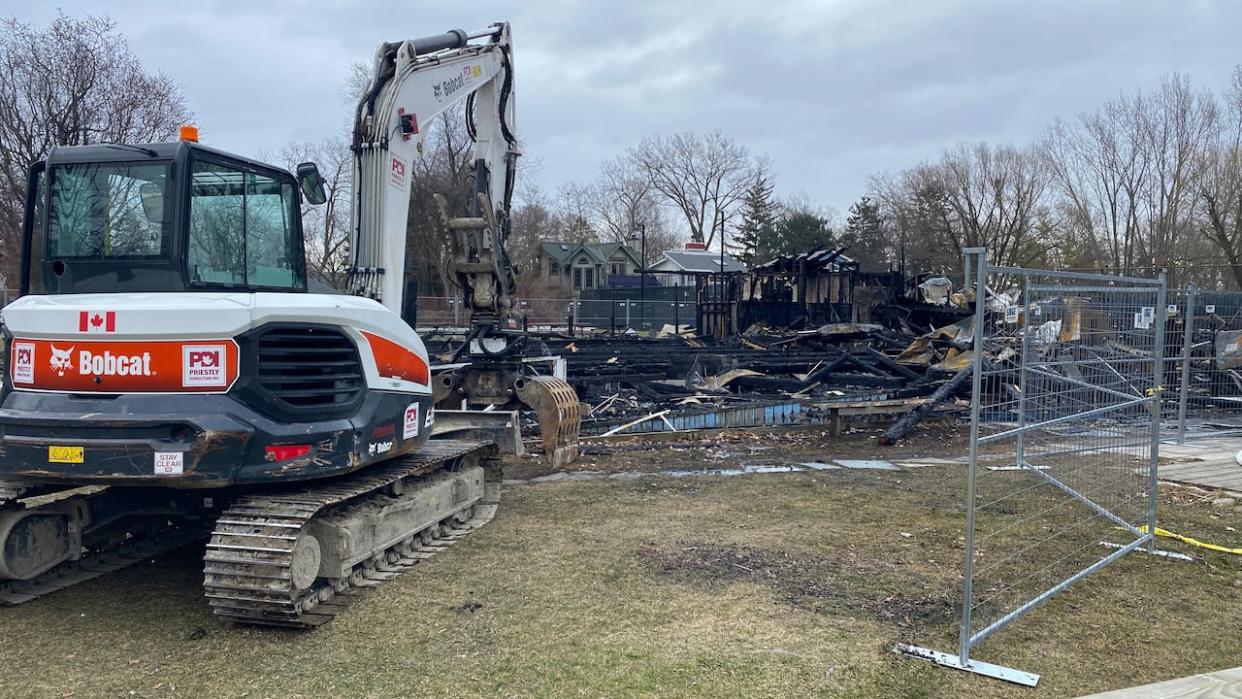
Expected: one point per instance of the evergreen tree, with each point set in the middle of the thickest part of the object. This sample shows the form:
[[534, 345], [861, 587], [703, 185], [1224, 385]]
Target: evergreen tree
[[802, 231], [864, 234], [752, 242]]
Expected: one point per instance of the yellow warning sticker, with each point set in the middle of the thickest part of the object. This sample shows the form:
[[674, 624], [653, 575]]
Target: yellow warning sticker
[[64, 455]]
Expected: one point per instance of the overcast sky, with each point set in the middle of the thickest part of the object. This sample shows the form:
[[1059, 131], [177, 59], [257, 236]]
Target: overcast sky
[[831, 91]]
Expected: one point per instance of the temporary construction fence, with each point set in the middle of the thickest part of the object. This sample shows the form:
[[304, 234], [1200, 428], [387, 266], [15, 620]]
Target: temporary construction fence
[[1204, 363], [1065, 428]]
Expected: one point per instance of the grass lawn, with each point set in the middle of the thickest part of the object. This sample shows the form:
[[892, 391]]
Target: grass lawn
[[782, 585]]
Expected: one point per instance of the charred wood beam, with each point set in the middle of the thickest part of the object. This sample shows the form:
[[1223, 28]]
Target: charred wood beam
[[891, 364], [774, 383], [912, 418], [825, 369]]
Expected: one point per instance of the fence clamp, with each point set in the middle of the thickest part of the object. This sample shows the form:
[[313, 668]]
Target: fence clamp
[[1153, 391]]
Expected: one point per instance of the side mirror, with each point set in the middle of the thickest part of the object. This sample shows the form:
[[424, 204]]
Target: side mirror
[[152, 196], [311, 183]]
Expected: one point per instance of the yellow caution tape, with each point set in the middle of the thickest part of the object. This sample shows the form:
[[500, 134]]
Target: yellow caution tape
[[1153, 391], [1193, 542]]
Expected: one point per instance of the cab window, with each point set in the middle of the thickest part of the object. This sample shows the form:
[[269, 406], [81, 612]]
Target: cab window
[[108, 211], [36, 205], [243, 229]]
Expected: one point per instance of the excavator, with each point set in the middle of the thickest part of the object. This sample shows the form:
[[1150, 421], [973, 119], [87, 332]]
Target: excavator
[[171, 376]]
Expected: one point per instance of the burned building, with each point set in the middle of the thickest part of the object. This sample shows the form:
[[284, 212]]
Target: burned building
[[800, 291]]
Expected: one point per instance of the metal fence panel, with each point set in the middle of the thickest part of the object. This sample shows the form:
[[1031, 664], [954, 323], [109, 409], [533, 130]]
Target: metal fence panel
[[1065, 427], [1204, 363]]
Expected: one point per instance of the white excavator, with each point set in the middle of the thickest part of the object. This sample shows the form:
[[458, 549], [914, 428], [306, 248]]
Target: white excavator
[[166, 348]]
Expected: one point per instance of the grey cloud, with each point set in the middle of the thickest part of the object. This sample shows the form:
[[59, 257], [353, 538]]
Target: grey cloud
[[832, 91]]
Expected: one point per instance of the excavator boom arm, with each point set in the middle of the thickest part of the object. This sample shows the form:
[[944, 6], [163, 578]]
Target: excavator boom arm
[[413, 82]]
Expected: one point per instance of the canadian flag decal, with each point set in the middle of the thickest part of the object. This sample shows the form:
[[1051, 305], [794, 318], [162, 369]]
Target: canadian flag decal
[[97, 321]]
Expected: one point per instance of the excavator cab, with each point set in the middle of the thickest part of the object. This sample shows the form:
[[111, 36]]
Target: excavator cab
[[169, 217]]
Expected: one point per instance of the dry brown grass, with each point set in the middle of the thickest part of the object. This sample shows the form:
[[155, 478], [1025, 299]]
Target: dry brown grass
[[772, 585]]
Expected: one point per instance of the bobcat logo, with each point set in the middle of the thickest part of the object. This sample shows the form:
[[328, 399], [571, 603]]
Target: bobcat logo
[[62, 360]]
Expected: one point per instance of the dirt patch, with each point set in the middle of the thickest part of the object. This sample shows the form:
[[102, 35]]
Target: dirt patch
[[913, 611], [797, 578], [468, 607], [829, 585]]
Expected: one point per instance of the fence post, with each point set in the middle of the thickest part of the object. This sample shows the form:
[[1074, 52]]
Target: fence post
[[976, 392], [1157, 356], [1188, 331], [677, 307], [1020, 447]]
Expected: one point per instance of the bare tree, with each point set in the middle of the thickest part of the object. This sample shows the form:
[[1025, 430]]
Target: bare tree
[[1176, 126], [73, 82], [974, 195], [915, 206], [626, 205], [576, 207], [1220, 184], [1099, 165], [534, 221], [445, 166], [326, 226], [356, 83], [994, 193], [703, 177], [623, 199], [1125, 175], [660, 235]]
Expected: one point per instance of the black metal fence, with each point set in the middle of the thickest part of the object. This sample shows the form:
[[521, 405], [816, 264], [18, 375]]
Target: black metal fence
[[647, 309]]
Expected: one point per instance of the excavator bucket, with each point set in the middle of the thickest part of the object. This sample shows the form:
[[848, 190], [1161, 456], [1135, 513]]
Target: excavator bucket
[[559, 413]]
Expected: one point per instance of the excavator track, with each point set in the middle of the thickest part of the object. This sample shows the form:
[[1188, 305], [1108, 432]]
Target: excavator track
[[253, 568], [128, 551], [112, 548]]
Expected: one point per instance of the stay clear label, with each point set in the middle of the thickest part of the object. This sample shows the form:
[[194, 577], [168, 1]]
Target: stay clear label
[[169, 463]]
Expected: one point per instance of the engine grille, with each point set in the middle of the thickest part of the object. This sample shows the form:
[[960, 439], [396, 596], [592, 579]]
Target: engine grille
[[309, 367]]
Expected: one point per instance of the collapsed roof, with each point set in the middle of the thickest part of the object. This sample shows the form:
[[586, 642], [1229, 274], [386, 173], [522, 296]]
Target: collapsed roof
[[817, 260]]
